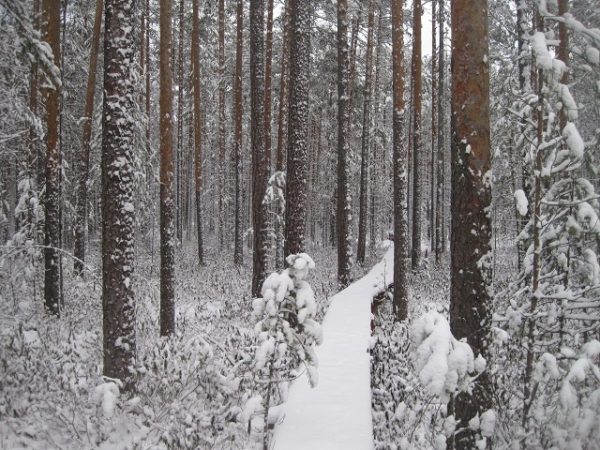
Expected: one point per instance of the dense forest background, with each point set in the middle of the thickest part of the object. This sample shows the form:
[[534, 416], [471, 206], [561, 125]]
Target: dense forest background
[[159, 158]]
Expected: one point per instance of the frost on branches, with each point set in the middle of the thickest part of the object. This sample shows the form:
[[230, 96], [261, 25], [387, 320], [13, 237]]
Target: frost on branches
[[547, 378]]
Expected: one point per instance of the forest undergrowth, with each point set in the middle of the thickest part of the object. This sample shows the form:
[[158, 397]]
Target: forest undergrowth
[[194, 390]]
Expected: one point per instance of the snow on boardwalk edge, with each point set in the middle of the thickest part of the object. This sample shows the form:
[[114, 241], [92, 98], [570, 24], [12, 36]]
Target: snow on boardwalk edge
[[337, 413]]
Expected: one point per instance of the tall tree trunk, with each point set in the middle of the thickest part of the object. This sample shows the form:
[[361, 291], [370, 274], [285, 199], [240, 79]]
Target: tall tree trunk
[[471, 257], [268, 76], [366, 136], [118, 215], [148, 91], [440, 232], [197, 126], [434, 93], [282, 131], [563, 54], [221, 125], [237, 144], [375, 171], [400, 163], [343, 213], [179, 151], [260, 160], [51, 95], [84, 160], [416, 136], [297, 160], [167, 206]]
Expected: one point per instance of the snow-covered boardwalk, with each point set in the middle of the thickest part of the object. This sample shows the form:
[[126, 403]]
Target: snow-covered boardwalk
[[337, 413]]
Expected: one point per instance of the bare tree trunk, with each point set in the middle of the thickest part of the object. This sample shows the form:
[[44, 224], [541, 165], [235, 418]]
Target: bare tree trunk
[[297, 172], [471, 255], [375, 171], [118, 215], [343, 214], [260, 160], [197, 126], [400, 165], [366, 136], [167, 206], [416, 136], [237, 150], [51, 95], [84, 160], [282, 131]]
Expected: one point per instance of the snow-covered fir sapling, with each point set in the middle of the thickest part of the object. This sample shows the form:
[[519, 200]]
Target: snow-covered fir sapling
[[447, 366], [287, 331], [275, 198]]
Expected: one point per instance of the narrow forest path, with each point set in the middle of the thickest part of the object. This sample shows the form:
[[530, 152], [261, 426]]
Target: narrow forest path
[[336, 414]]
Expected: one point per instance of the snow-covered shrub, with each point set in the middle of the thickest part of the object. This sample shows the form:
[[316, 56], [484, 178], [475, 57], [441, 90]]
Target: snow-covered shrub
[[553, 306], [286, 329], [287, 332]]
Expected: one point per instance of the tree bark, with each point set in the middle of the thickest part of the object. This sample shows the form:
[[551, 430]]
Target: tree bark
[[167, 206], [400, 302], [366, 136], [297, 160], [260, 160], [434, 93], [237, 145], [84, 160], [268, 76], [344, 238], [197, 126], [51, 95], [179, 150], [416, 136], [471, 257], [221, 125], [440, 232], [118, 215], [282, 131]]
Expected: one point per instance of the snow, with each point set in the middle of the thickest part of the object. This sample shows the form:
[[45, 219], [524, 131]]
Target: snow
[[336, 414], [522, 203]]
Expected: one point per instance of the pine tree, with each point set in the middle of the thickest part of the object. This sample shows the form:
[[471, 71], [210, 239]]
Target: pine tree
[[400, 165], [84, 160], [366, 136], [297, 160], [51, 96], [197, 127], [416, 136], [167, 203], [260, 160], [471, 281], [237, 141], [118, 215], [343, 213]]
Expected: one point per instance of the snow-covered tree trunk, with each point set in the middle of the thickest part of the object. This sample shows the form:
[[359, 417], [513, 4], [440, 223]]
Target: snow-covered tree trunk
[[343, 213], [297, 159], [400, 165], [434, 95], [282, 132], [84, 158], [237, 140], [51, 96], [471, 282], [167, 204], [416, 64], [366, 135], [440, 233], [221, 126], [118, 215], [260, 160], [197, 126]]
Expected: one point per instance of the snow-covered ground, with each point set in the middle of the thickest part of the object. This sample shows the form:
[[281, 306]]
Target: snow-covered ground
[[336, 414]]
